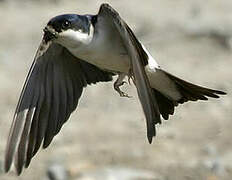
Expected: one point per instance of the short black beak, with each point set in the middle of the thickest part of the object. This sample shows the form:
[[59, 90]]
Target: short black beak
[[48, 35]]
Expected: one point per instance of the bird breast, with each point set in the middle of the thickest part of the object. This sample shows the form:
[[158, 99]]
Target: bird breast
[[105, 53]]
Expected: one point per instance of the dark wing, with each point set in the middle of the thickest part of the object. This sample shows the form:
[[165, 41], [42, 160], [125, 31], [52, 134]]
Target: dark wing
[[50, 94], [109, 17]]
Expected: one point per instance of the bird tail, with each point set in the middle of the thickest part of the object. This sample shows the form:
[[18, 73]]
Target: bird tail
[[188, 92]]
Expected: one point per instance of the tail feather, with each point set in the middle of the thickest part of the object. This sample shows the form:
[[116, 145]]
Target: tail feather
[[166, 106], [188, 91], [192, 92]]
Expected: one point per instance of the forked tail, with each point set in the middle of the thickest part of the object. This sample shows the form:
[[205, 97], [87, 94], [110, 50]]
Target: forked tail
[[188, 92]]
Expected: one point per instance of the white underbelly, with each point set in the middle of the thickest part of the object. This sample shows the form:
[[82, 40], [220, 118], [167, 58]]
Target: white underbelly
[[111, 57], [111, 62]]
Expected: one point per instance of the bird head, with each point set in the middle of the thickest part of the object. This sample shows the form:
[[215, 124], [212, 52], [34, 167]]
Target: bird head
[[69, 30]]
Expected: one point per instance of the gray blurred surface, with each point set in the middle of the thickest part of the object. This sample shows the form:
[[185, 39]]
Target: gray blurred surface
[[189, 38]]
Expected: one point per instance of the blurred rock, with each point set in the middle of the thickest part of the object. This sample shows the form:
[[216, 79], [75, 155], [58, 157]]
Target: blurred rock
[[216, 166], [214, 163], [220, 33], [75, 170], [210, 150], [116, 173], [57, 172]]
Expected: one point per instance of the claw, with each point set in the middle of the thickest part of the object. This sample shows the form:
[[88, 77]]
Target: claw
[[123, 82], [119, 82], [121, 93]]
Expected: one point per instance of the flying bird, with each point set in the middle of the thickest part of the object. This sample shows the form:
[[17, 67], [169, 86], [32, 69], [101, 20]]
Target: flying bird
[[80, 50]]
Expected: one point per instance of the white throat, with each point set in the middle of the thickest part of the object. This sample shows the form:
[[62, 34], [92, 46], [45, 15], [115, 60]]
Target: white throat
[[74, 39]]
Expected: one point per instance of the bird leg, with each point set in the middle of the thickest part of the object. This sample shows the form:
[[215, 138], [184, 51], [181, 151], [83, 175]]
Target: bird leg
[[119, 82], [131, 77]]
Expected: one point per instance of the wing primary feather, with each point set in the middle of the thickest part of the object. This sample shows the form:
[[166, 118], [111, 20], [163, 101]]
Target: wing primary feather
[[16, 127], [56, 104], [70, 95], [14, 141], [32, 97], [63, 101], [49, 101], [22, 149], [44, 110], [65, 90], [34, 126]]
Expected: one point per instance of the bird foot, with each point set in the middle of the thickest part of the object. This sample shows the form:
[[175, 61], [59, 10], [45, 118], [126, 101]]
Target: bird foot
[[117, 85]]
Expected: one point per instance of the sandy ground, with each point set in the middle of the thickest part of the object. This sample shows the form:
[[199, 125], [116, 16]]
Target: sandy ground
[[109, 131]]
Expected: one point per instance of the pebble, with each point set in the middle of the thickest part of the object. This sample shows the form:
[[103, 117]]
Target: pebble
[[57, 172], [118, 173]]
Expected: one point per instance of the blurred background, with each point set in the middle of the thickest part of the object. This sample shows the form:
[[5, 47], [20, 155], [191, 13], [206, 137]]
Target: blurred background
[[105, 139]]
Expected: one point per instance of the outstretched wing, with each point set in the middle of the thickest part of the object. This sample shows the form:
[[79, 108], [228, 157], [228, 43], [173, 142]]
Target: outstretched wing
[[107, 16], [50, 94]]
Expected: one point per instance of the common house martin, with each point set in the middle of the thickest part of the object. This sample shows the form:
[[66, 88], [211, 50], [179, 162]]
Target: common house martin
[[80, 50]]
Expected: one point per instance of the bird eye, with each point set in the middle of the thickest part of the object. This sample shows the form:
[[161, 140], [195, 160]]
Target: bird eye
[[66, 25]]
